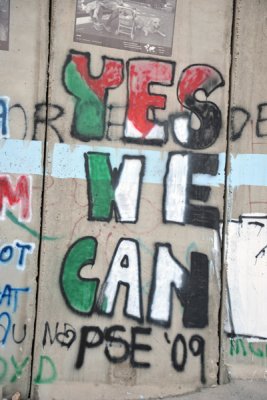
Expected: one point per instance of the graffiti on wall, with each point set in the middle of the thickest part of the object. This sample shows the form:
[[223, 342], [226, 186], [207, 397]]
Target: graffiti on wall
[[115, 180], [125, 269], [114, 187], [4, 108], [12, 297], [242, 347], [13, 194], [240, 118], [12, 370], [17, 251], [114, 193], [246, 257], [141, 124]]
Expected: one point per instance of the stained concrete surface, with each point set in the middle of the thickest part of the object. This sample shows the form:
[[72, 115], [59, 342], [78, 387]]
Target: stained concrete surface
[[245, 390], [236, 390]]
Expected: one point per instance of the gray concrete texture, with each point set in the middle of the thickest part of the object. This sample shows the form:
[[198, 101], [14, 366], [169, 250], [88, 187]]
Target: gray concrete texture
[[236, 390], [198, 35], [188, 179]]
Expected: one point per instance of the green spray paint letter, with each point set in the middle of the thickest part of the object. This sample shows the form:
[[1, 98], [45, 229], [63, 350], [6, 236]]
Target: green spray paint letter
[[50, 377], [3, 369], [90, 93], [18, 368], [118, 188], [79, 293], [100, 189], [236, 345]]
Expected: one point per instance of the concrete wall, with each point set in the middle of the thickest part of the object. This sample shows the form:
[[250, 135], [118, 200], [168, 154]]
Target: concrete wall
[[244, 345], [114, 201], [23, 66]]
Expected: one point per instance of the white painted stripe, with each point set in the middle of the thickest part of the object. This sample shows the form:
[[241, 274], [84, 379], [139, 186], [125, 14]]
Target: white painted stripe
[[25, 157], [68, 162], [21, 157]]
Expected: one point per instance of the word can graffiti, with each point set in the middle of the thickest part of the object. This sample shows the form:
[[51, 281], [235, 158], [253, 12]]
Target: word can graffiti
[[125, 269]]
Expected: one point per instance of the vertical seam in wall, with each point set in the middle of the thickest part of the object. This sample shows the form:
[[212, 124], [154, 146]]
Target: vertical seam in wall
[[43, 189], [225, 196]]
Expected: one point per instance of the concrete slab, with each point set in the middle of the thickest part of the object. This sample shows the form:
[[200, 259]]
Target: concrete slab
[[184, 352], [245, 390]]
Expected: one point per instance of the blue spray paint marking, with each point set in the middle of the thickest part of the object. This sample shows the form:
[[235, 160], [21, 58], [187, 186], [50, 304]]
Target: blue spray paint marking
[[10, 296], [4, 126], [21, 157], [18, 250], [6, 254], [6, 327], [248, 169], [24, 248]]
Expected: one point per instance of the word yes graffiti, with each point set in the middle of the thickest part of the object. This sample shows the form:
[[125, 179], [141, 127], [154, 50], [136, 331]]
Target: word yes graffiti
[[91, 94]]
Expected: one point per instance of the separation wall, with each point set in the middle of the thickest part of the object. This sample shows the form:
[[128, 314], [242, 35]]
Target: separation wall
[[114, 202], [245, 330], [23, 66]]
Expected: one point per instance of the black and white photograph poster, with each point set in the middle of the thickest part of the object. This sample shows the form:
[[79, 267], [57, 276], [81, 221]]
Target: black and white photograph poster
[[144, 26], [4, 24]]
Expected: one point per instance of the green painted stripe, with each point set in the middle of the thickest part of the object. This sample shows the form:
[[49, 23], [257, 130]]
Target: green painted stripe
[[34, 233]]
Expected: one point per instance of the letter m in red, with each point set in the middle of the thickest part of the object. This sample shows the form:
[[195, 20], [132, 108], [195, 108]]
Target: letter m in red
[[11, 195]]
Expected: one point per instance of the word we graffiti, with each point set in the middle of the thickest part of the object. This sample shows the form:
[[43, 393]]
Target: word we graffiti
[[118, 191]]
